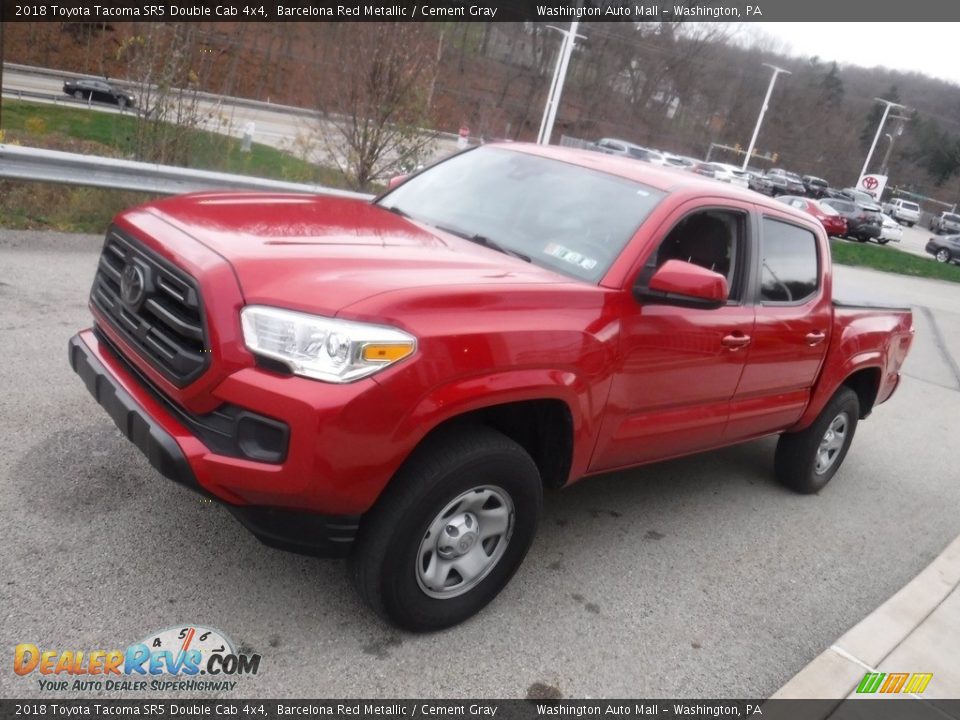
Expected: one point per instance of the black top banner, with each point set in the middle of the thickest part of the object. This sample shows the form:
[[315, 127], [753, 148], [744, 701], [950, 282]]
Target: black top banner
[[853, 11]]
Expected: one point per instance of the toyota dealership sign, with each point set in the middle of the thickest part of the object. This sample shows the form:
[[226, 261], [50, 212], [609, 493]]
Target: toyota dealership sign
[[873, 184]]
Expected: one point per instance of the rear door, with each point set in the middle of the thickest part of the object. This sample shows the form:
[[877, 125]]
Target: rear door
[[792, 330]]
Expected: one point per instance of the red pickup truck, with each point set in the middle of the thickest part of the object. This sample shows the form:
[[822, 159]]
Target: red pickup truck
[[398, 380]]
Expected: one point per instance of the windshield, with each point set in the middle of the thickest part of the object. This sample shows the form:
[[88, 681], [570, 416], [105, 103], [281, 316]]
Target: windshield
[[561, 216]]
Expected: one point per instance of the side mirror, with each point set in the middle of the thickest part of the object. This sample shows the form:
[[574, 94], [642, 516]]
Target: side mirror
[[681, 283], [396, 180]]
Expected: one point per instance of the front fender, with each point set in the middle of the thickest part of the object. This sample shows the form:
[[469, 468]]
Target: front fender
[[469, 394]]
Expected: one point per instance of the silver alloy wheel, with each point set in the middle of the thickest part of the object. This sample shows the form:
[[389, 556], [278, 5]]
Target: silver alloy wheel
[[832, 442], [943, 255], [464, 542]]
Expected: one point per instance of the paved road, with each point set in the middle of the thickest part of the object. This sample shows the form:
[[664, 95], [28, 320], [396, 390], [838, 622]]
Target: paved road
[[697, 577], [274, 126]]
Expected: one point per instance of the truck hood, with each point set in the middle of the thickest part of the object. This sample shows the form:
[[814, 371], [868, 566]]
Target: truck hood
[[321, 254]]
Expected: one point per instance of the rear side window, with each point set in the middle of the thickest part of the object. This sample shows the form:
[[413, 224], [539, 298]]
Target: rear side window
[[909, 206], [789, 267]]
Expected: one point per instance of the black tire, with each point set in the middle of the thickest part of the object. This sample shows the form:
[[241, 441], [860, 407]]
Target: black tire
[[943, 256], [78, 95], [863, 238], [797, 453], [882, 241], [909, 224], [384, 565]]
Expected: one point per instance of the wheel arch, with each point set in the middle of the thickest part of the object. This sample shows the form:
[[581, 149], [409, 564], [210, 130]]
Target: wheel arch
[[865, 382], [543, 427]]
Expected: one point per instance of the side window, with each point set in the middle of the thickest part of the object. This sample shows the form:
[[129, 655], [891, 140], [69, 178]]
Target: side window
[[789, 267], [713, 239]]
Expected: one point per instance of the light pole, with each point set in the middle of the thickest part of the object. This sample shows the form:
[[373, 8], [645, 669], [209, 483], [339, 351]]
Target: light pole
[[899, 132], [763, 111], [556, 86], [886, 111]]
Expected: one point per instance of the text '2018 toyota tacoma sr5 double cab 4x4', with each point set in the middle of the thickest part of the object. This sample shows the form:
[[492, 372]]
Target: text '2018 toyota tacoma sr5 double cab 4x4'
[[398, 380]]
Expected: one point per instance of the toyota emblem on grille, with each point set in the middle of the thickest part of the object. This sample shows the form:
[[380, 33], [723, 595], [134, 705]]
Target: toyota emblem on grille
[[131, 285]]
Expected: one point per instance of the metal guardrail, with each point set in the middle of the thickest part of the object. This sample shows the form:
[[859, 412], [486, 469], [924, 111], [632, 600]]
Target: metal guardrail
[[26, 163]]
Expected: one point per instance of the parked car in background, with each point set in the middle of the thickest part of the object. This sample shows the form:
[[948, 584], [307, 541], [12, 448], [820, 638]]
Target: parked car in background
[[814, 187], [99, 91], [860, 196], [733, 175], [945, 222], [834, 193], [833, 222], [790, 182], [679, 161], [613, 146], [758, 182], [945, 248], [889, 230], [863, 221], [905, 211]]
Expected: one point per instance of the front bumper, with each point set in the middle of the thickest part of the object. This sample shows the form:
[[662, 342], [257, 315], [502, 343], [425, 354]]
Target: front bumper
[[167, 444]]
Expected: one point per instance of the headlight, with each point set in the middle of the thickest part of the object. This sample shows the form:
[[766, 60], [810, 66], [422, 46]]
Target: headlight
[[323, 348]]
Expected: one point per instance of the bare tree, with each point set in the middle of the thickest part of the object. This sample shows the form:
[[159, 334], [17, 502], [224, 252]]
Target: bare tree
[[159, 63], [377, 126]]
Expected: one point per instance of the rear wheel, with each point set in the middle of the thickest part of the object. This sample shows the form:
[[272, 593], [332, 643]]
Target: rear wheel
[[806, 461], [78, 95], [883, 241], [943, 255], [450, 530]]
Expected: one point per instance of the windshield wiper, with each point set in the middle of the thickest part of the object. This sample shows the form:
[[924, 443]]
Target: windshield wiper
[[486, 242]]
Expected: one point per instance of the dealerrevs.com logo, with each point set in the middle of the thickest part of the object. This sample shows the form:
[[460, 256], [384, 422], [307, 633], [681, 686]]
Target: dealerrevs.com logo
[[185, 658]]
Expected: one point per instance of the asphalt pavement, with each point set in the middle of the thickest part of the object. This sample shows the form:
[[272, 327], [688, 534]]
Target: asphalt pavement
[[697, 577]]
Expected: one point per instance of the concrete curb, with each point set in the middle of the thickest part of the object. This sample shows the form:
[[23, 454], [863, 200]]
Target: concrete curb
[[837, 671]]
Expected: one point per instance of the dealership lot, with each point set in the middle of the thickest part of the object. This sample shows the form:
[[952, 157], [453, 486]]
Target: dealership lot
[[697, 577]]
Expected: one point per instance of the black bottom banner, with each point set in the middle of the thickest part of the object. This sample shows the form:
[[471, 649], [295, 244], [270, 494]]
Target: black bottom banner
[[865, 709]]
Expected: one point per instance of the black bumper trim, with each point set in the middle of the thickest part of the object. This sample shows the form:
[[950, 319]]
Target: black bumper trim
[[291, 530], [299, 532], [139, 428]]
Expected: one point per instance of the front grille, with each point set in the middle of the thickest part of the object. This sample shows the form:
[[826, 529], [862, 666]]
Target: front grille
[[164, 320]]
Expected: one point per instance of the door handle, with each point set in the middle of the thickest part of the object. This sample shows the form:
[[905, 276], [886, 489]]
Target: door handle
[[815, 338], [736, 341]]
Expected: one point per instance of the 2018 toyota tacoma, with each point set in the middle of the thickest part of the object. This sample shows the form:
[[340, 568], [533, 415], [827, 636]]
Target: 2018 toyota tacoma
[[399, 379]]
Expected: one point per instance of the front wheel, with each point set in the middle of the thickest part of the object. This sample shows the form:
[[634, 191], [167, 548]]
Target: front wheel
[[450, 530], [883, 241], [943, 255], [806, 461]]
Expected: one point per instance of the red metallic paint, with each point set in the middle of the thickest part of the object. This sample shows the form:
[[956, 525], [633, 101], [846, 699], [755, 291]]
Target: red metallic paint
[[642, 382], [676, 277]]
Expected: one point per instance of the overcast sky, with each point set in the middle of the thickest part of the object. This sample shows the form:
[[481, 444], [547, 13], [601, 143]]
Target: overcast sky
[[925, 47]]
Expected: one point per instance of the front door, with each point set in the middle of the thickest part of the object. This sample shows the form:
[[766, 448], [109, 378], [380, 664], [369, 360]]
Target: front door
[[678, 366]]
